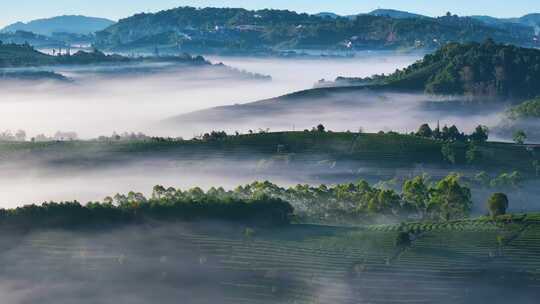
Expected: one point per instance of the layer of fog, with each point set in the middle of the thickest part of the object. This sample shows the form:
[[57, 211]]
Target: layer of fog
[[300, 73], [32, 180], [36, 181], [98, 105], [507, 128], [366, 110]]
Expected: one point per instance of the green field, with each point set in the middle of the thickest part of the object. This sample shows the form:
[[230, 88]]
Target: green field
[[465, 261]]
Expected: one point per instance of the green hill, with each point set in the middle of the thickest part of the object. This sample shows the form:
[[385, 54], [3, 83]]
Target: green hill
[[476, 69], [16, 56]]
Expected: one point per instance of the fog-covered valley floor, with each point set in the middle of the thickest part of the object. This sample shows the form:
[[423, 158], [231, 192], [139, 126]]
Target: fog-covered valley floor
[[98, 104]]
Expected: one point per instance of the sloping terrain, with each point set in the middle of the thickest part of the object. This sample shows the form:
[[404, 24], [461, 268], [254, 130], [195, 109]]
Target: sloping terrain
[[459, 262]]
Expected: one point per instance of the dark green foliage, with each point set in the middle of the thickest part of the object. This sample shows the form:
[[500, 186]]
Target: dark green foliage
[[486, 69], [165, 204], [449, 199], [425, 131], [403, 240], [452, 134], [480, 134], [214, 135], [259, 203], [416, 193], [449, 152], [361, 202], [497, 204], [519, 137], [473, 153]]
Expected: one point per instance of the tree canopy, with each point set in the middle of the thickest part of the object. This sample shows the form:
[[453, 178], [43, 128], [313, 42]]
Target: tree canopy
[[258, 203], [477, 69]]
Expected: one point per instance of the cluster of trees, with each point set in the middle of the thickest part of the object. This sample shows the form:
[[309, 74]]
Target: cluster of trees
[[214, 135], [506, 180], [446, 199], [497, 204], [260, 203], [519, 137], [165, 204], [452, 134], [125, 136]]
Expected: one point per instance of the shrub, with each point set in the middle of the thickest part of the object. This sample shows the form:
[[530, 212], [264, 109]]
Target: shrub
[[497, 204], [403, 240]]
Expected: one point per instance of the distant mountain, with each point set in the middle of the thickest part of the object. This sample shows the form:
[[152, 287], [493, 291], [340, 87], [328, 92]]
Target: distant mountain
[[210, 30], [395, 14], [391, 13], [62, 24], [328, 15]]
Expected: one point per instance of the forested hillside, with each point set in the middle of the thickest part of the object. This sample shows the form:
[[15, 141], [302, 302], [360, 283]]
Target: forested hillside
[[231, 29], [477, 69]]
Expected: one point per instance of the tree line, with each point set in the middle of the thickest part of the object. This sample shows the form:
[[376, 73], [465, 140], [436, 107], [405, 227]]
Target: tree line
[[453, 134], [192, 205], [354, 202]]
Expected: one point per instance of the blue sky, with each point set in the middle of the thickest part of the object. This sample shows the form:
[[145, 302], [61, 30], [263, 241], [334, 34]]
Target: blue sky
[[24, 10]]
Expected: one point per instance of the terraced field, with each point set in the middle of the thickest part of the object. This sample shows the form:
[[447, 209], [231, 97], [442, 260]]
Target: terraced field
[[463, 262]]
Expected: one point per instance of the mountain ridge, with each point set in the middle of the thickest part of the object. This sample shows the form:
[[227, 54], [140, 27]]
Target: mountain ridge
[[234, 29], [75, 24]]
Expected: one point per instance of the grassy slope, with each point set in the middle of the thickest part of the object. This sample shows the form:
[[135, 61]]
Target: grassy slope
[[385, 149], [460, 262]]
